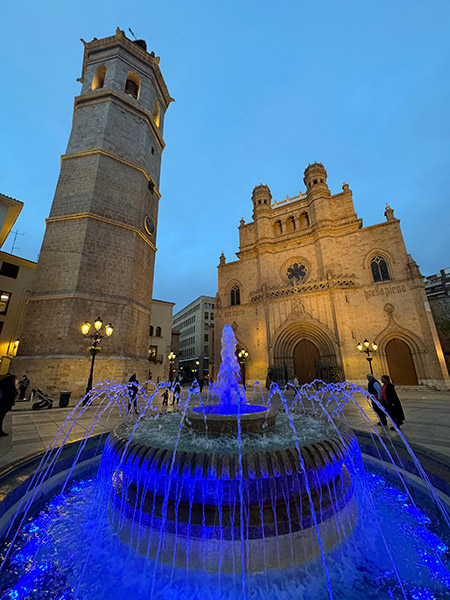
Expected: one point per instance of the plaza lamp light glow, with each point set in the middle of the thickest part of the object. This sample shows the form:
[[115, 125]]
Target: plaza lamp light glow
[[364, 347], [171, 358], [98, 324]]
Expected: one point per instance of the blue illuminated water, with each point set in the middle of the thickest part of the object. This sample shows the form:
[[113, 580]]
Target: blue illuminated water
[[51, 555]]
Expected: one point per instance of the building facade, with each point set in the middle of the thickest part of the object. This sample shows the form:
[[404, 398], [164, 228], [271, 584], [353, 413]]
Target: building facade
[[311, 282], [437, 288], [16, 276], [97, 256], [160, 341], [194, 322]]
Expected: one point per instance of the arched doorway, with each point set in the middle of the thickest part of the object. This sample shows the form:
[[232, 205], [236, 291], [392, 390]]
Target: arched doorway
[[306, 355], [400, 361]]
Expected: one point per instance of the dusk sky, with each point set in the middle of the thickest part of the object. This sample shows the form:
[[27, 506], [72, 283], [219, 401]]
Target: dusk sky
[[262, 89]]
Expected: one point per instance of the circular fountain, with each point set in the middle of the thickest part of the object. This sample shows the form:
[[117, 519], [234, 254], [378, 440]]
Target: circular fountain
[[232, 506]]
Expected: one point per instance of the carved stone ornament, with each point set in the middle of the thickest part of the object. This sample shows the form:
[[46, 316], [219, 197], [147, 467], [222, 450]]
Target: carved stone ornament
[[389, 309]]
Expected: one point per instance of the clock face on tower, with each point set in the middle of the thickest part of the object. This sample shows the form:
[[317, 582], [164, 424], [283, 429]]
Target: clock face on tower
[[149, 225]]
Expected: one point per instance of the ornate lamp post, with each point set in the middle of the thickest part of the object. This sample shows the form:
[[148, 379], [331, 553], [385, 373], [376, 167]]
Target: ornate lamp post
[[171, 358], [95, 347], [364, 347], [242, 357]]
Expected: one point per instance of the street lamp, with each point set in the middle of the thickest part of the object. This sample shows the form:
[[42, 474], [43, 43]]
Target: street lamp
[[364, 347], [171, 358], [242, 357], [197, 364], [95, 347]]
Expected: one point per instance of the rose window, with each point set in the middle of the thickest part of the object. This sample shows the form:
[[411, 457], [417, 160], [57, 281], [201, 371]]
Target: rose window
[[296, 273]]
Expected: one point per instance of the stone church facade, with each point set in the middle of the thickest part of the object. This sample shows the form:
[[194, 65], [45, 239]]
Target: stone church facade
[[97, 256], [311, 282]]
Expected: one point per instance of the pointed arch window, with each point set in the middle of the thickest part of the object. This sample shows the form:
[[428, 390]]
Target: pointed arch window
[[290, 224], [235, 296], [151, 330], [380, 271], [304, 220], [278, 228]]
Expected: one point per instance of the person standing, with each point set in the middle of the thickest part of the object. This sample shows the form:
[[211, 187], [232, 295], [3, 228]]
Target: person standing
[[176, 392], [374, 389], [7, 398], [23, 386], [393, 405], [133, 386]]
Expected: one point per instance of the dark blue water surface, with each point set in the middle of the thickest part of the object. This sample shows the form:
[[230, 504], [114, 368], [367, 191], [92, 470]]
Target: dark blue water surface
[[231, 409], [65, 552]]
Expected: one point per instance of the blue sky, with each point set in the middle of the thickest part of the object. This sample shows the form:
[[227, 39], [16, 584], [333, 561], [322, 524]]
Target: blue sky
[[262, 89]]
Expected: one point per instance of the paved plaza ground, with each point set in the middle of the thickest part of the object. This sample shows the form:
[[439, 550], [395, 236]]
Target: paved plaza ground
[[427, 423]]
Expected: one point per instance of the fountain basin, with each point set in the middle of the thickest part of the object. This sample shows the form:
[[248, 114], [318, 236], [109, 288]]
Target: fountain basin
[[216, 420], [198, 502]]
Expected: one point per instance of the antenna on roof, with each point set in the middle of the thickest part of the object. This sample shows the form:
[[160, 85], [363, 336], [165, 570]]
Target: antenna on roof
[[14, 247], [132, 33]]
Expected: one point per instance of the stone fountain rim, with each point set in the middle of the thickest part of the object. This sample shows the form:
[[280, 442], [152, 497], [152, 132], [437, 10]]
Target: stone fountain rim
[[268, 411], [260, 464]]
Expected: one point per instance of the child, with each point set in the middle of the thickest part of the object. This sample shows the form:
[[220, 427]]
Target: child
[[165, 397]]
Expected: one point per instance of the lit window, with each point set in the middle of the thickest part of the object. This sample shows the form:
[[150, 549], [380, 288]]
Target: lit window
[[152, 353], [157, 113], [380, 271], [5, 297], [235, 296], [133, 84], [99, 78]]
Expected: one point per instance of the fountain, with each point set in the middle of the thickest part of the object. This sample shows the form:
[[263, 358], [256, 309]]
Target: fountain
[[226, 499]]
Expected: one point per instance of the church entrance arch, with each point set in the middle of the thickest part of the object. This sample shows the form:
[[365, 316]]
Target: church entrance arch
[[306, 358], [401, 364]]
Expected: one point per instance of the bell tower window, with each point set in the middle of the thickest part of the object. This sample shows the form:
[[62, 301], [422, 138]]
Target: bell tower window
[[380, 271], [235, 296], [133, 84], [99, 78], [157, 113]]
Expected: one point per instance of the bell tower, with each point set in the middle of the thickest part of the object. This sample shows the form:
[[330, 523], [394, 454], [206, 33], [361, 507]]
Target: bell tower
[[97, 256]]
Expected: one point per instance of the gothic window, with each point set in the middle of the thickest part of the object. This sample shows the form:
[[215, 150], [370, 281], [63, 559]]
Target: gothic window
[[278, 228], [290, 224], [133, 84], [158, 332], [157, 113], [99, 78], [235, 296], [304, 220], [380, 271], [151, 330]]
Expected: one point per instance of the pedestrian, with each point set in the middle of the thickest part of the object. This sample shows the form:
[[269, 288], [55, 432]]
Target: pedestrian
[[176, 392], [23, 386], [374, 389], [165, 397], [200, 384], [392, 401], [7, 397], [296, 382], [133, 386]]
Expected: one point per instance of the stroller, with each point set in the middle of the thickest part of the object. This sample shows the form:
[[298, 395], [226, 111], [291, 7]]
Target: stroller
[[43, 401]]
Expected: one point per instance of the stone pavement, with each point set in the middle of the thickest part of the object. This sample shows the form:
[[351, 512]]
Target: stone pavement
[[427, 423]]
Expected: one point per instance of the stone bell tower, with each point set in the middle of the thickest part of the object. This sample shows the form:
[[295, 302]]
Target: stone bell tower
[[98, 252]]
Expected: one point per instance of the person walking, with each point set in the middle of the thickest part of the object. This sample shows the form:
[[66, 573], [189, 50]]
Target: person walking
[[176, 392], [133, 386], [374, 389], [393, 405], [7, 397], [23, 386]]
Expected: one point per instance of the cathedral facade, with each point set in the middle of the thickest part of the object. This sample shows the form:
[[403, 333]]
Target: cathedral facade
[[311, 283]]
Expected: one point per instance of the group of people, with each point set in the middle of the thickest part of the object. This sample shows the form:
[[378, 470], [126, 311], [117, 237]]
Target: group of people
[[387, 399]]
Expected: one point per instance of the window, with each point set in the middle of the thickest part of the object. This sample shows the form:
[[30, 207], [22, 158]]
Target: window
[[235, 296], [158, 332], [9, 270], [99, 78], [290, 224], [278, 228], [205, 337], [133, 84], [151, 330], [152, 353], [1, 326], [304, 220], [5, 297], [380, 270], [206, 315], [157, 113], [211, 316], [206, 350]]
